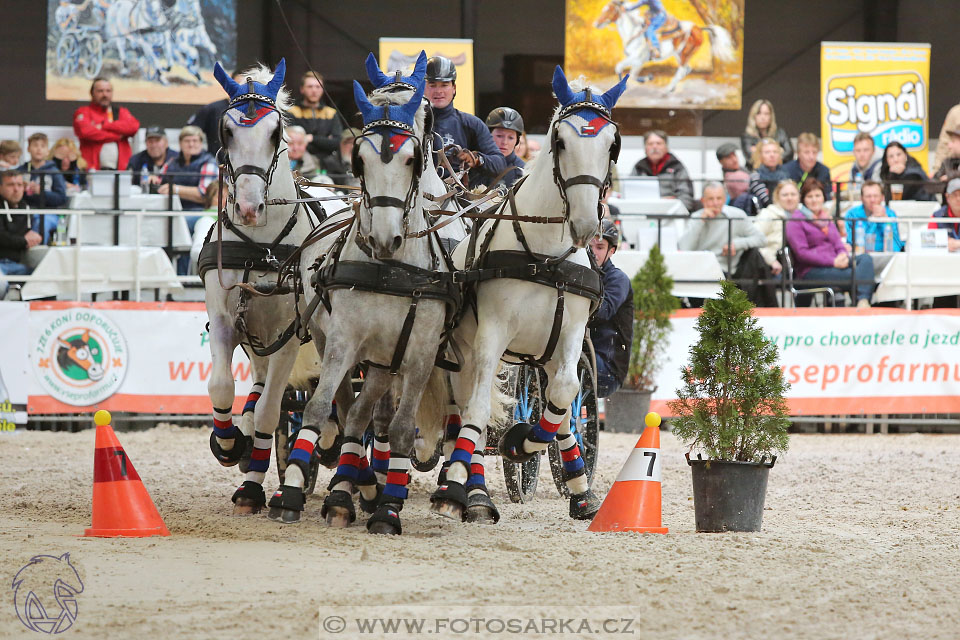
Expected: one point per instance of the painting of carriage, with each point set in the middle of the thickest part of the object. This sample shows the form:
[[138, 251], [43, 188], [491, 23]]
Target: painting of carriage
[[677, 53], [152, 50]]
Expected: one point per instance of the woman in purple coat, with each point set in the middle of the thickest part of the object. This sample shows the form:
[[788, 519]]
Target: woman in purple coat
[[818, 250]]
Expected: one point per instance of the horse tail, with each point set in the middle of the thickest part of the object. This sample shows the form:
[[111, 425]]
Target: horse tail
[[501, 400], [721, 44], [306, 366]]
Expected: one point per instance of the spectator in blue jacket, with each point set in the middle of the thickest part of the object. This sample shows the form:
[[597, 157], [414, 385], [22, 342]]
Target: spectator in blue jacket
[[46, 188], [873, 206], [807, 166], [477, 152], [611, 327]]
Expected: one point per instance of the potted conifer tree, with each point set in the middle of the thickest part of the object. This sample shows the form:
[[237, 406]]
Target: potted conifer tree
[[731, 408], [653, 303]]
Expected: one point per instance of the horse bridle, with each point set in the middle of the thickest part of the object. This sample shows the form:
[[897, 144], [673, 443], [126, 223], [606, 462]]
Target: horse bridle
[[251, 97], [556, 145]]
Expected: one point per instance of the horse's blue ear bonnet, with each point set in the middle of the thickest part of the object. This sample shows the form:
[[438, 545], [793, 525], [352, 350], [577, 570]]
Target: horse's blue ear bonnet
[[379, 79], [260, 98], [595, 110], [398, 116]]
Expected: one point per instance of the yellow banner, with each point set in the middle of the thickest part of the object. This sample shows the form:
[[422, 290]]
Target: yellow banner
[[399, 54], [880, 89]]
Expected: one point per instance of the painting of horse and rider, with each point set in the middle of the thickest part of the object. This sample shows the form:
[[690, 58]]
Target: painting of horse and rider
[[677, 53], [152, 50]]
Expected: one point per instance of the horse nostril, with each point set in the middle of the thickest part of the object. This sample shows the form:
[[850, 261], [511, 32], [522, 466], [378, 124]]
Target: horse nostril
[[260, 208], [396, 243], [236, 210]]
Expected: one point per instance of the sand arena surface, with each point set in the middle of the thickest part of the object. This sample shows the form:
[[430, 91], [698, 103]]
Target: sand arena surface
[[860, 540]]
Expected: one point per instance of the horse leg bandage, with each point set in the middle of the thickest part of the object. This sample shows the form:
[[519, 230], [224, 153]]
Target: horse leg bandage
[[255, 392], [366, 479], [477, 480], [466, 444], [545, 431], [223, 426], [574, 472], [397, 479], [302, 451], [260, 457], [381, 457], [348, 473]]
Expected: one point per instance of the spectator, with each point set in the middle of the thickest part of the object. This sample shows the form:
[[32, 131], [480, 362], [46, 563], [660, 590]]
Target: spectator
[[950, 123], [786, 201], [736, 183], [16, 236], [762, 123], [190, 173], [506, 127], [673, 177], [807, 166], [151, 160], [10, 154], [866, 162], [46, 189], [873, 206], [322, 124], [523, 148], [818, 250], [906, 174], [531, 150], [611, 326], [339, 166], [300, 159], [477, 153], [767, 158], [104, 130], [727, 157], [726, 241], [950, 167], [208, 118], [950, 210], [70, 163]]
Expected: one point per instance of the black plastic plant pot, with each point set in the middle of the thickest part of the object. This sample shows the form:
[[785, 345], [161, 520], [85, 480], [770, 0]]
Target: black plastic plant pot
[[729, 496]]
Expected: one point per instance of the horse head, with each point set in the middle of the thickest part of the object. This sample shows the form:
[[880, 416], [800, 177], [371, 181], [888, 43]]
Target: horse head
[[251, 130], [610, 13], [584, 140], [389, 159]]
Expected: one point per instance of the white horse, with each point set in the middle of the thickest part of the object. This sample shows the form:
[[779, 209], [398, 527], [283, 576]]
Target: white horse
[[383, 290], [252, 230], [516, 315], [682, 39]]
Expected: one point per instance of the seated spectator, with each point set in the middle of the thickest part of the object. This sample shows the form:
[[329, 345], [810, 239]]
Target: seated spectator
[[104, 130], [737, 185], [873, 206], [532, 148], [807, 166], [818, 250], [190, 173], [950, 123], [786, 201], [10, 154], [16, 236], [902, 175], [950, 210], [338, 166], [46, 189], [673, 177], [523, 150], [702, 234], [950, 167], [70, 163], [866, 160], [150, 161], [762, 123], [727, 157], [300, 160], [767, 158]]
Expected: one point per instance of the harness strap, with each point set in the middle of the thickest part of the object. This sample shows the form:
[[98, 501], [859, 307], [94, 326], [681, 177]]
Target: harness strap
[[551, 341], [238, 255]]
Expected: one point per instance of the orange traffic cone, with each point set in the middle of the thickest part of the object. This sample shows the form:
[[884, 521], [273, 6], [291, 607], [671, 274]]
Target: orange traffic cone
[[121, 505], [633, 503]]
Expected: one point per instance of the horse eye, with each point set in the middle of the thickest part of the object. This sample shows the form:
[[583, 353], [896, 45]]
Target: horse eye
[[561, 145], [409, 161]]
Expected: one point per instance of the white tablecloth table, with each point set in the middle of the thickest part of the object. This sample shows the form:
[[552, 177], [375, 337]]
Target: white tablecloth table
[[109, 268], [931, 275], [681, 265], [98, 229], [633, 221]]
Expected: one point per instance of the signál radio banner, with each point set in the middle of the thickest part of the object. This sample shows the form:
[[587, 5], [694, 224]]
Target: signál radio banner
[[880, 89], [846, 361], [399, 54]]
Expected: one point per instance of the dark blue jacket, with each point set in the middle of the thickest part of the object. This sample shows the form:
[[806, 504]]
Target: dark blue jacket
[[819, 171], [143, 159], [54, 186], [189, 175], [953, 228], [456, 127], [512, 176], [611, 326]]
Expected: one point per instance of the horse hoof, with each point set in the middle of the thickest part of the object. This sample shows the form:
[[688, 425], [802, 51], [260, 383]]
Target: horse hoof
[[448, 509], [339, 517], [229, 457], [584, 506], [248, 499], [511, 444], [450, 501], [383, 528], [283, 516], [246, 507], [338, 509], [286, 504], [480, 509], [386, 520]]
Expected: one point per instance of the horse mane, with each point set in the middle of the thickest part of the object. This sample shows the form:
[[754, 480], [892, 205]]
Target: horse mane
[[264, 74], [390, 96]]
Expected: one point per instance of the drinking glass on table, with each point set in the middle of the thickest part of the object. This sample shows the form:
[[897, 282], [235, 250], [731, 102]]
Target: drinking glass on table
[[896, 190]]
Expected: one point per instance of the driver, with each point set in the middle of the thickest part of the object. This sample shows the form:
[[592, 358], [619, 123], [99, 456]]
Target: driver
[[656, 16], [506, 127], [478, 152], [611, 326]]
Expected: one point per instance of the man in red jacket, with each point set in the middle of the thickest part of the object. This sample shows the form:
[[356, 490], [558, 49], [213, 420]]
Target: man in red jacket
[[104, 130]]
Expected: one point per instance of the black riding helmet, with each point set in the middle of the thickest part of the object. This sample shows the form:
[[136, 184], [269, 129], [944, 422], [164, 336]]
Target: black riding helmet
[[505, 118], [440, 69], [609, 232]]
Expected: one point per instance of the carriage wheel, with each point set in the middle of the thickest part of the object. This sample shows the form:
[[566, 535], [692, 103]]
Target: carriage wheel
[[92, 56], [584, 423], [68, 52], [521, 479]]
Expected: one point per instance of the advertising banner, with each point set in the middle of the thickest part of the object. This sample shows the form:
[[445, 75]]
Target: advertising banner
[[151, 50], [679, 53], [123, 356], [399, 54], [14, 323], [880, 89], [846, 361]]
